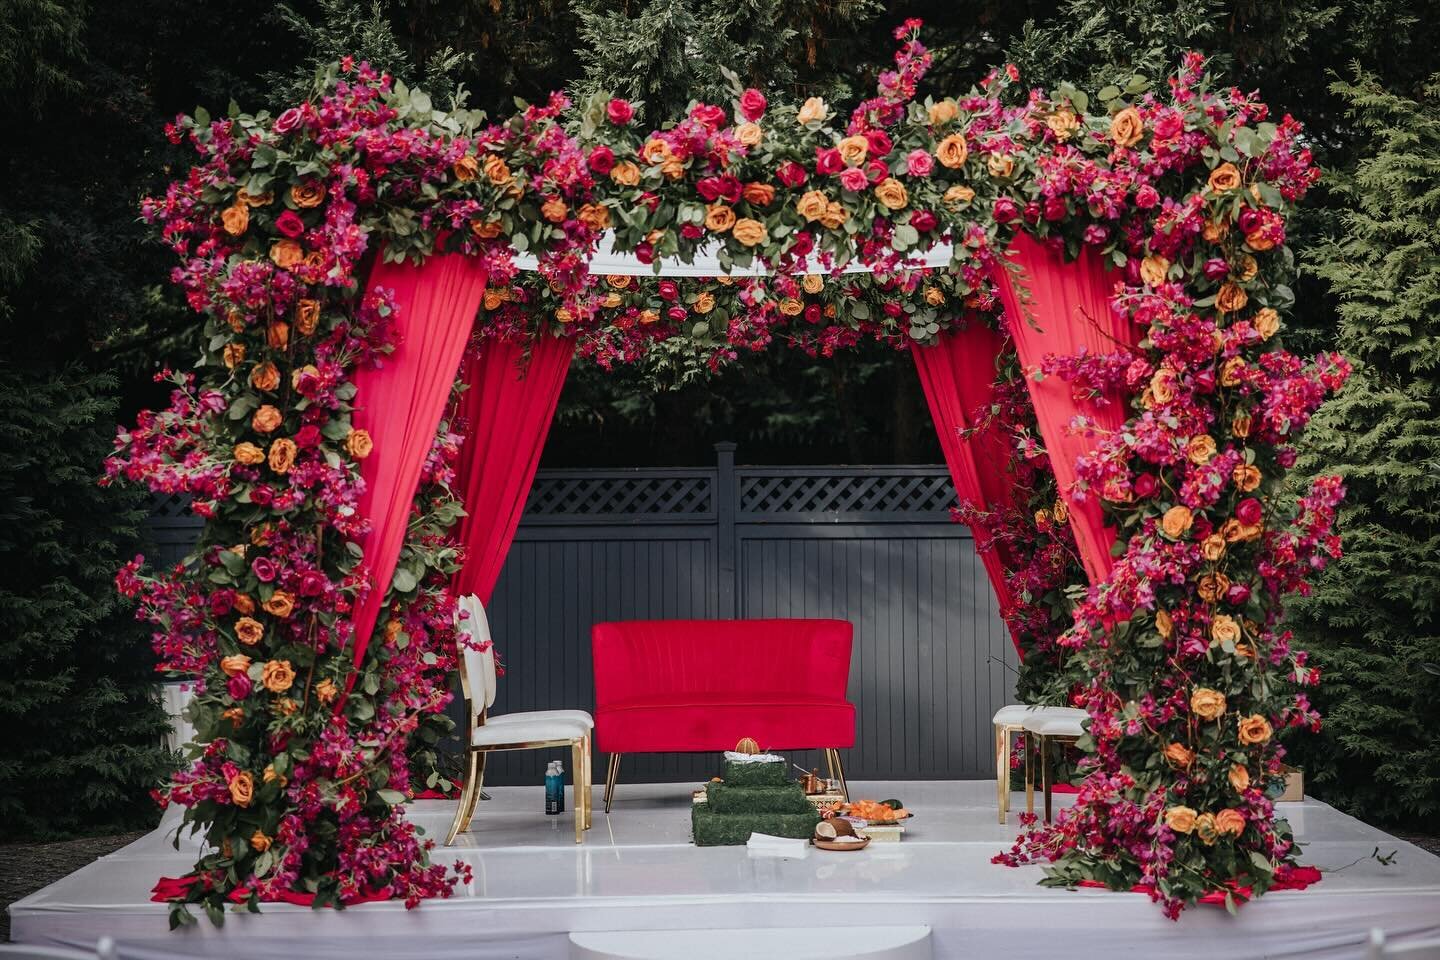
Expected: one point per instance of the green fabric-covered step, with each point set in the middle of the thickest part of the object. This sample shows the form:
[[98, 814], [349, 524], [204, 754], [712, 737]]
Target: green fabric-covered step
[[755, 774], [728, 798], [713, 829]]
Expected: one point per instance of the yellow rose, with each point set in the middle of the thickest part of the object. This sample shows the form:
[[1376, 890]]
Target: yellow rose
[[358, 444], [656, 151], [1230, 823], [1223, 627], [242, 788], [1063, 123], [943, 112], [282, 455], [1224, 177], [1212, 548], [307, 316], [1254, 729], [791, 307], [1000, 165], [277, 676], [1162, 385], [1179, 756], [648, 317], [958, 196], [235, 219], [704, 303], [811, 205], [853, 150], [749, 134], [1061, 511], [812, 283], [1180, 819], [719, 218], [267, 419], [749, 232], [612, 300], [1232, 297], [466, 168], [235, 664], [952, 151], [625, 173], [1207, 704], [1126, 127], [249, 454], [1201, 449], [1230, 372], [1267, 322], [1239, 778], [812, 110], [1154, 269], [1176, 521], [233, 355], [891, 193], [270, 776], [1246, 477], [1164, 625]]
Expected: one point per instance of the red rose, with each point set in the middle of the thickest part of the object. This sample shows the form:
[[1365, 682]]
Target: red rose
[[752, 104], [1144, 485], [312, 584], [645, 252], [1249, 511], [602, 159], [804, 243], [619, 112], [708, 116], [877, 170], [677, 314], [290, 224], [307, 436], [1006, 210], [923, 220], [791, 174], [692, 231], [828, 161], [880, 143], [812, 313], [288, 120], [669, 291], [715, 188]]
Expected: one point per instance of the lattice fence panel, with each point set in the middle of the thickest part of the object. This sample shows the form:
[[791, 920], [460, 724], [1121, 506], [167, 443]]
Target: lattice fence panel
[[638, 495], [871, 493]]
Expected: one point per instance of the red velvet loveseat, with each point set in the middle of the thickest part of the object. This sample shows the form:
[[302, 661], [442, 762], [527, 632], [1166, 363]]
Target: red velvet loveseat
[[685, 686]]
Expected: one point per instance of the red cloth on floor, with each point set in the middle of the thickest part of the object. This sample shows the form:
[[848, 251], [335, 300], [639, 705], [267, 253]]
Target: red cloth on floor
[[957, 373], [1286, 878], [401, 403], [1069, 308], [167, 889], [507, 412]]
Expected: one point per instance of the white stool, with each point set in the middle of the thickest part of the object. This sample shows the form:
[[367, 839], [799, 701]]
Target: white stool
[[1059, 725], [1010, 720]]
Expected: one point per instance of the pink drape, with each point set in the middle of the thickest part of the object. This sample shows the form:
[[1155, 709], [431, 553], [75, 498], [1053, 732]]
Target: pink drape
[[958, 373], [401, 403], [506, 414], [1069, 311]]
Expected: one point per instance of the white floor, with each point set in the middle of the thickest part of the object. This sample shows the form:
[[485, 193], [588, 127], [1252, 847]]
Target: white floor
[[637, 870]]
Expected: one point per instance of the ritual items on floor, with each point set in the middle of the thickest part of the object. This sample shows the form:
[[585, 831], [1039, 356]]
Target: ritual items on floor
[[878, 820], [753, 797]]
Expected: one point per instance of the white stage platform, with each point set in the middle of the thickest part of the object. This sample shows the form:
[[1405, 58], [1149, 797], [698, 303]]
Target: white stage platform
[[533, 886]]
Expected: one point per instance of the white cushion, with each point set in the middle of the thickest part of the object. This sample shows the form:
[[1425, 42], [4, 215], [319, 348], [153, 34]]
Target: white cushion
[[524, 730], [1018, 713], [568, 716], [1057, 726]]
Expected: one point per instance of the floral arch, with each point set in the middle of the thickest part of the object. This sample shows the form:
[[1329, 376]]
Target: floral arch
[[1100, 348]]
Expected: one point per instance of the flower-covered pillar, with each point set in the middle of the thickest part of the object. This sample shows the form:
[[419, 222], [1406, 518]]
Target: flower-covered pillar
[[957, 373], [1063, 315], [399, 403]]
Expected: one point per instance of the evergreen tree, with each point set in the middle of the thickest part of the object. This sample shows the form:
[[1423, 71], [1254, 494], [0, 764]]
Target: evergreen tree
[[1372, 621]]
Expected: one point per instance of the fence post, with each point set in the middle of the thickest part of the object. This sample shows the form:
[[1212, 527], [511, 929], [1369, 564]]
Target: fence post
[[727, 498]]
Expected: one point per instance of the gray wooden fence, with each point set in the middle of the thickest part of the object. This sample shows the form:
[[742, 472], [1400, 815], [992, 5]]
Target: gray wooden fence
[[872, 545]]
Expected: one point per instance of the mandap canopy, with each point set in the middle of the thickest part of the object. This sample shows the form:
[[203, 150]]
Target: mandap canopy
[[1092, 291]]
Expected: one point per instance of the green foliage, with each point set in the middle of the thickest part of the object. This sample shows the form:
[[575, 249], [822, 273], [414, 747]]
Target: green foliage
[[1371, 622], [76, 680]]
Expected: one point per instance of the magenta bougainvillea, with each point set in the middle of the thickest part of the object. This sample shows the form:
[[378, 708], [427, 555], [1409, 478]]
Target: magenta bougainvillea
[[1180, 655]]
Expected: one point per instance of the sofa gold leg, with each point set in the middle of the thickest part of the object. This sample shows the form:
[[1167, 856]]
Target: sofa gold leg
[[589, 799], [577, 783], [612, 774], [1045, 773], [469, 794], [1029, 746], [837, 770], [1002, 769]]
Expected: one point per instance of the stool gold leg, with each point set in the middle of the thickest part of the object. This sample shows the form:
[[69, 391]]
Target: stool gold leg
[[611, 775], [1002, 788], [577, 781], [1045, 773], [589, 780], [1029, 746]]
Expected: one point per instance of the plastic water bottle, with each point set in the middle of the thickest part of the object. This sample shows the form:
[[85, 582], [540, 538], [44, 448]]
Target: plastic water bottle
[[554, 789]]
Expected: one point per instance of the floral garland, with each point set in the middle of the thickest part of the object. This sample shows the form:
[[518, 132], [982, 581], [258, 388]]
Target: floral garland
[[1186, 670]]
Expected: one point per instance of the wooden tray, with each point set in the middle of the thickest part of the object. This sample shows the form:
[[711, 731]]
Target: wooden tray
[[832, 845]]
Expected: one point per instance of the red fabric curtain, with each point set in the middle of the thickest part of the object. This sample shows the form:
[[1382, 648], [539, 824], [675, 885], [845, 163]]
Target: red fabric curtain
[[1069, 307], [957, 373], [401, 402], [506, 413]]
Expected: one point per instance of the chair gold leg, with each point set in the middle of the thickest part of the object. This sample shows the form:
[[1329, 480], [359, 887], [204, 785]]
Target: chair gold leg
[[1002, 785], [469, 794], [577, 781], [587, 759], [833, 756], [611, 775], [1045, 773], [1029, 746]]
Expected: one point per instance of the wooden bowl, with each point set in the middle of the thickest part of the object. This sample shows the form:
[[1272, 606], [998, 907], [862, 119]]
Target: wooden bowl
[[834, 845]]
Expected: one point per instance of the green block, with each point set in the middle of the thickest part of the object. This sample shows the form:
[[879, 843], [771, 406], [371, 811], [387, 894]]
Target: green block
[[713, 829], [728, 798], [755, 774]]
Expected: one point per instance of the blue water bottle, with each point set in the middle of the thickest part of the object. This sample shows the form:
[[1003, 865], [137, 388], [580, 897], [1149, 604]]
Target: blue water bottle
[[554, 789]]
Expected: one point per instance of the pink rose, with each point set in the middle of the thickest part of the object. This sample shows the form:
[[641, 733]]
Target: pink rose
[[853, 178], [708, 116], [602, 159], [262, 495], [923, 220], [1147, 197], [892, 309], [619, 112], [290, 224], [877, 170], [1216, 268], [222, 602], [264, 569], [791, 174], [312, 584], [1005, 210], [880, 143], [288, 120], [752, 104], [919, 163], [1249, 511], [676, 314], [645, 252], [1095, 235], [238, 686], [828, 160], [1238, 594]]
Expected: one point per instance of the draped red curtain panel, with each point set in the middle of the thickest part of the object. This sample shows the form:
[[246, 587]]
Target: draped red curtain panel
[[957, 373], [402, 401], [1068, 308], [506, 411]]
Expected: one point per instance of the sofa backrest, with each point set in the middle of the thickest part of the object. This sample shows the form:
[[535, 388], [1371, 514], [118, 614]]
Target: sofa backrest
[[638, 660]]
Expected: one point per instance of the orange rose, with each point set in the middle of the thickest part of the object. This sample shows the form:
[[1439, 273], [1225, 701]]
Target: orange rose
[[554, 210], [1162, 385], [265, 376], [812, 283], [1201, 449], [486, 230], [811, 205], [1154, 269], [625, 173], [235, 219], [834, 216], [1267, 322], [1240, 426], [255, 199], [1230, 823], [596, 216], [1254, 729], [277, 335], [309, 194], [493, 299], [277, 676], [1180, 819], [286, 253], [270, 776], [952, 151], [236, 715], [1180, 756], [1215, 230], [1239, 778], [1000, 165], [749, 134], [1246, 477], [1207, 704], [791, 307], [326, 691], [1232, 297], [942, 113], [934, 296], [282, 455], [1259, 241], [1164, 625], [958, 196], [749, 232], [267, 419], [564, 315], [259, 842], [249, 454], [812, 110], [496, 170], [466, 168], [891, 193], [236, 321], [1176, 521], [286, 706], [1212, 548], [242, 788], [647, 317], [243, 603], [1063, 123], [233, 355], [1212, 586], [235, 664], [853, 150], [612, 300], [1224, 177], [358, 444], [1230, 372], [719, 218], [1224, 628], [249, 631], [307, 316], [1126, 127], [281, 604], [704, 303], [1061, 511], [1205, 828], [759, 194], [1247, 268]]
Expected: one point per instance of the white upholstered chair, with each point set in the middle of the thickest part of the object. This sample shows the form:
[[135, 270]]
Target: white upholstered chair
[[535, 730], [1019, 718]]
